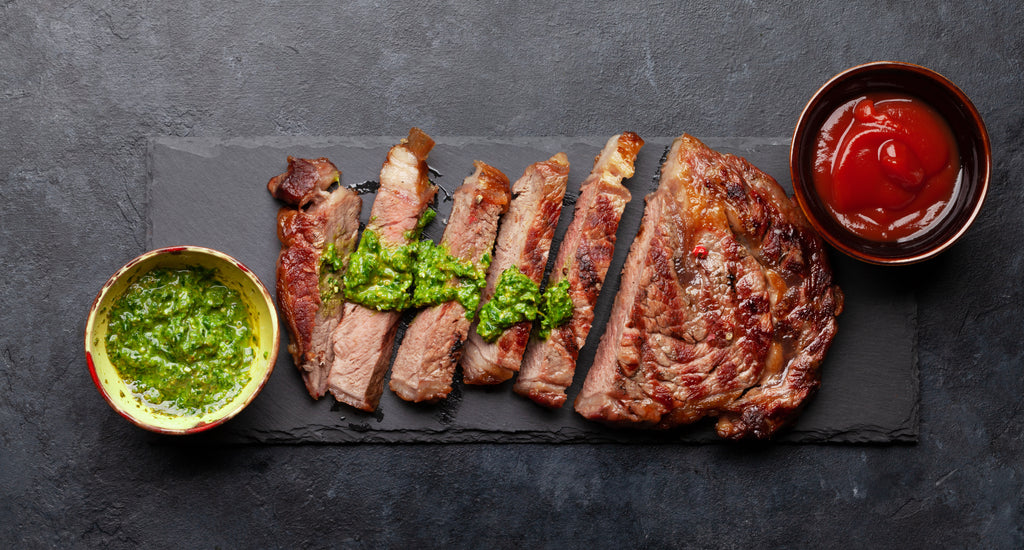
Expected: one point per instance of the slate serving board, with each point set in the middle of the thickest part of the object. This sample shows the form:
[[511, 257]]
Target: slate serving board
[[212, 192]]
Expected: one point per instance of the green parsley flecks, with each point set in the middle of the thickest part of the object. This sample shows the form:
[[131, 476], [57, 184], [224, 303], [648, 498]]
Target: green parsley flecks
[[441, 277], [380, 277], [332, 269], [181, 340], [556, 307], [517, 298], [418, 274]]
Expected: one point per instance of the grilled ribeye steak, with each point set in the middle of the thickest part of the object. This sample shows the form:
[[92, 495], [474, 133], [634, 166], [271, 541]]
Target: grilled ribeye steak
[[726, 305], [583, 260], [433, 344], [308, 289], [524, 240], [304, 181], [365, 337]]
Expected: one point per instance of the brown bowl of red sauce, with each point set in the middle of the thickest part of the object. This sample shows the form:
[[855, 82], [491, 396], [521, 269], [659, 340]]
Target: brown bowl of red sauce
[[890, 162]]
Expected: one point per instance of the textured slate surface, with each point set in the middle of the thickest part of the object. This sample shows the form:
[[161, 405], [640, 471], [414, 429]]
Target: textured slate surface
[[213, 193], [85, 86]]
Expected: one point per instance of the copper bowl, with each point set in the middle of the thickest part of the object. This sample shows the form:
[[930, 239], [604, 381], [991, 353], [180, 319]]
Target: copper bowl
[[943, 96]]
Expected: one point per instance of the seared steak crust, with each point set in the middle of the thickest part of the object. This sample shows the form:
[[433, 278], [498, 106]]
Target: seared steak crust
[[726, 305], [304, 181], [332, 218], [364, 338], [583, 259], [524, 240], [433, 344]]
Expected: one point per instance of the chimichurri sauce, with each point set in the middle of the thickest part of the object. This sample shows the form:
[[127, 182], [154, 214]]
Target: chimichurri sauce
[[332, 266], [419, 274], [380, 277], [517, 298], [422, 274], [441, 277], [556, 307], [181, 340]]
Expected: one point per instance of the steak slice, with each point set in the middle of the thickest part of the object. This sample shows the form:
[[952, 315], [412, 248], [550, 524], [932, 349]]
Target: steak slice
[[583, 259], [308, 292], [364, 338], [726, 305], [432, 345], [304, 181], [524, 241]]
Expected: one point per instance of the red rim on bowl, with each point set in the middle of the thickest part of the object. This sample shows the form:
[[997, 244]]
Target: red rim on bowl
[[951, 103]]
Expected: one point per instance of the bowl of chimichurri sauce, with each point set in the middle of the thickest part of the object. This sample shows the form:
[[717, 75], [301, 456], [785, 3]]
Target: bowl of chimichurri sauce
[[181, 339]]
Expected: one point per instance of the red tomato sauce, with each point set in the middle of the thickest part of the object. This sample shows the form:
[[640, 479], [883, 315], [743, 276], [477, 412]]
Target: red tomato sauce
[[887, 166]]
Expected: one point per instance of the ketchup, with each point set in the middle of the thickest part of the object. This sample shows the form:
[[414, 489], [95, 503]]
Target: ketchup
[[886, 165]]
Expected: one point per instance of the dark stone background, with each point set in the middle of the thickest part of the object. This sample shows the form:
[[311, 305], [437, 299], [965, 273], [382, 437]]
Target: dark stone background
[[85, 85]]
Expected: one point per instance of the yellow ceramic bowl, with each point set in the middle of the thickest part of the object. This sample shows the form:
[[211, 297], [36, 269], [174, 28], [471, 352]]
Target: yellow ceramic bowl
[[263, 319]]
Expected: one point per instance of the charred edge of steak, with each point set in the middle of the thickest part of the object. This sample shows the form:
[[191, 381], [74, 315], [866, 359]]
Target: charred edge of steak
[[304, 181], [618, 157], [332, 217], [539, 210], [584, 257], [478, 205], [455, 350], [298, 294], [609, 392], [536, 205], [405, 189], [419, 144]]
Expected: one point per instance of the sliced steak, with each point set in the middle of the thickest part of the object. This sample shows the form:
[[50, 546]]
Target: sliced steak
[[364, 338], [433, 344], [308, 292], [304, 181], [583, 259], [726, 305], [524, 241]]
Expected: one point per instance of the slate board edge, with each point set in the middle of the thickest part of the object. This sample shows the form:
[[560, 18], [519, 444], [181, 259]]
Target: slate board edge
[[696, 435]]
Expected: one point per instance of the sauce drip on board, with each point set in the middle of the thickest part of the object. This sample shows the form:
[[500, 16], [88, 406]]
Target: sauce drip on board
[[887, 166]]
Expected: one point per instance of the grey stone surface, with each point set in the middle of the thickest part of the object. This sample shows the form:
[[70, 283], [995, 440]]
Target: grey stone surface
[[85, 85]]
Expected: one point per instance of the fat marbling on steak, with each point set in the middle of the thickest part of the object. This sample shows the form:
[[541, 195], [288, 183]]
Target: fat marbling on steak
[[583, 260], [726, 305], [524, 240], [364, 338], [433, 344], [308, 291]]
